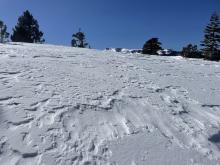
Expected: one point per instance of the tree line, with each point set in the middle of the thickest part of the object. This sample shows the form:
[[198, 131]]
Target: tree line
[[210, 44], [27, 30]]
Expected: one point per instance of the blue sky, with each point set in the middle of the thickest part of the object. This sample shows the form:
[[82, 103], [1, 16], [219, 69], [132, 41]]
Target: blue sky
[[116, 23]]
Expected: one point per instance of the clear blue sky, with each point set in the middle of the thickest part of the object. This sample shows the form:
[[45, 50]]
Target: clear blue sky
[[116, 23]]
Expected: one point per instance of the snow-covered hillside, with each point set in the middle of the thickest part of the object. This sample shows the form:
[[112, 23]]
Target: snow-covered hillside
[[69, 106]]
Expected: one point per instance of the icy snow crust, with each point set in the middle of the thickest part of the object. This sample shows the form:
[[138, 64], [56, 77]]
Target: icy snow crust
[[62, 105]]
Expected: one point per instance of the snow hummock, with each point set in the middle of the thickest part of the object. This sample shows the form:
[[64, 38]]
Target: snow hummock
[[124, 50], [63, 105], [166, 52]]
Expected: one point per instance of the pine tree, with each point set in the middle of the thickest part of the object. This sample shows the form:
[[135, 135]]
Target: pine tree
[[191, 51], [79, 40], [151, 46], [27, 30], [211, 42], [3, 32]]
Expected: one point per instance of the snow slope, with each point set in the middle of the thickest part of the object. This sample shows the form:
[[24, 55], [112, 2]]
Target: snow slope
[[62, 105]]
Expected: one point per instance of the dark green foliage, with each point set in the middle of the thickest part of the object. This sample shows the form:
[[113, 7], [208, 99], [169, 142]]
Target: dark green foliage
[[79, 40], [214, 56], [27, 30], [191, 51], [211, 42], [118, 49], [3, 32], [151, 46]]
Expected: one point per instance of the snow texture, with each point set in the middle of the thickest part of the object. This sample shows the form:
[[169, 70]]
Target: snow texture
[[70, 106]]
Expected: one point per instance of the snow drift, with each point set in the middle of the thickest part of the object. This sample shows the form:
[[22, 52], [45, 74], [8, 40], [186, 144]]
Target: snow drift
[[62, 105]]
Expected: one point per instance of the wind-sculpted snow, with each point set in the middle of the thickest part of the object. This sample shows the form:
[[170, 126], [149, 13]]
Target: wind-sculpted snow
[[69, 106]]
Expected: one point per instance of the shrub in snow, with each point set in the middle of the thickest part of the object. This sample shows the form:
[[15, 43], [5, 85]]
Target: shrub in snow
[[191, 51], [27, 30], [3, 32], [118, 49], [151, 46], [211, 42]]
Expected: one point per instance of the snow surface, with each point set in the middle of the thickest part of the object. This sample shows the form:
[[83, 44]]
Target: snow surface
[[62, 105]]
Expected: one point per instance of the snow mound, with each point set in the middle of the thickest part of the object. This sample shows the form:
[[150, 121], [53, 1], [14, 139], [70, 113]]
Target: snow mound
[[124, 50], [63, 105]]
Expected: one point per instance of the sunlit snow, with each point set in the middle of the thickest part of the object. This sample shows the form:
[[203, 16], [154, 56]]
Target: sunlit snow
[[69, 106]]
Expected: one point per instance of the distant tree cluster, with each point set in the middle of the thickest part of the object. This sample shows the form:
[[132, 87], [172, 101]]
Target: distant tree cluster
[[210, 44], [27, 30], [3, 32], [191, 51]]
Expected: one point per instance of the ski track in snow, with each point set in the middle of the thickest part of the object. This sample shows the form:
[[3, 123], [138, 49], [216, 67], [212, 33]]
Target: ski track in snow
[[62, 105]]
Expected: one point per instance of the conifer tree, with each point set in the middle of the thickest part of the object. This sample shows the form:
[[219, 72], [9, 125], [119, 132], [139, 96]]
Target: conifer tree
[[3, 32], [151, 46], [211, 42], [27, 30], [79, 40], [191, 51]]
